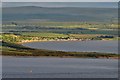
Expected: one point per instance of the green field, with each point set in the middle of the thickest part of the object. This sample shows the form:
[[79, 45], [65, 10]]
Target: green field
[[43, 34]]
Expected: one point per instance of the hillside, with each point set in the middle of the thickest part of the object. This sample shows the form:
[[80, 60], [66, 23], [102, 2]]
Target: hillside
[[60, 14]]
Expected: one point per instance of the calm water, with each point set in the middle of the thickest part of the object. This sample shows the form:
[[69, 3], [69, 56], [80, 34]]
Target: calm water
[[41, 67], [77, 46]]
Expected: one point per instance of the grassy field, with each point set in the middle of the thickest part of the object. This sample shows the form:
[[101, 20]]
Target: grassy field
[[47, 36], [61, 27], [43, 34]]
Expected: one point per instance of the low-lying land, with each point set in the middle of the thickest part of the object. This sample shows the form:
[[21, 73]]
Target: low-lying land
[[16, 32], [46, 36]]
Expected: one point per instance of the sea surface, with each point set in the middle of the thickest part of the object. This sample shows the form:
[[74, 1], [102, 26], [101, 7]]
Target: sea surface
[[77, 46], [49, 67]]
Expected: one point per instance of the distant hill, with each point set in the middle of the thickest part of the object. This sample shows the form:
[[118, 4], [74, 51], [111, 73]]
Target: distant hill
[[60, 14]]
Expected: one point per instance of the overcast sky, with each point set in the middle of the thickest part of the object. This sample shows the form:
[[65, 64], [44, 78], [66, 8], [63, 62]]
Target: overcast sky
[[62, 4], [60, 0]]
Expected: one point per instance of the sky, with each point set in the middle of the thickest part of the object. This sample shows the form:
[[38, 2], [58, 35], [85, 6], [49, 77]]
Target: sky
[[60, 0], [62, 4]]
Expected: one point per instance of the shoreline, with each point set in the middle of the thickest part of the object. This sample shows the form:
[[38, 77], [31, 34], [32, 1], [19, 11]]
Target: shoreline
[[60, 57], [58, 41], [49, 41], [69, 41], [22, 51]]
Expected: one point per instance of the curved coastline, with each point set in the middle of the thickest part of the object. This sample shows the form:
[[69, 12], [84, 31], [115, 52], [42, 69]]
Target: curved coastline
[[31, 52], [29, 41], [78, 46]]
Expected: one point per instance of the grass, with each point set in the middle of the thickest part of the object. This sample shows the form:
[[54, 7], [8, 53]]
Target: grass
[[85, 36], [48, 36], [69, 25], [43, 34]]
